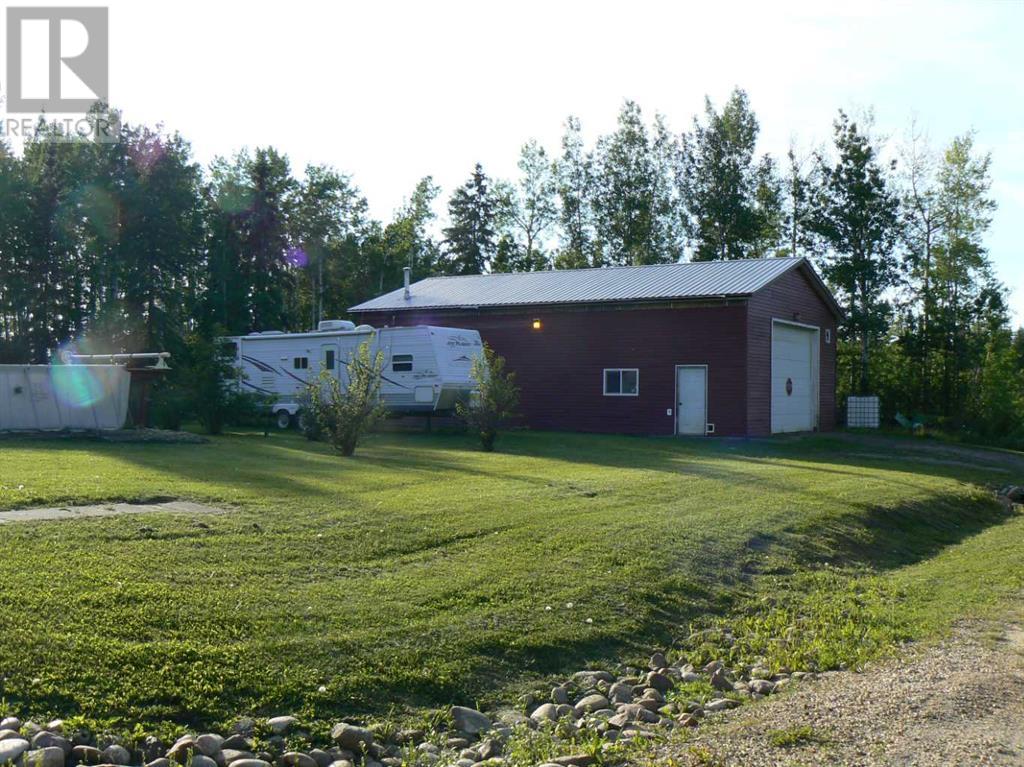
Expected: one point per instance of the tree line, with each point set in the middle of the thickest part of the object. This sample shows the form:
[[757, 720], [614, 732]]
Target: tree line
[[133, 245]]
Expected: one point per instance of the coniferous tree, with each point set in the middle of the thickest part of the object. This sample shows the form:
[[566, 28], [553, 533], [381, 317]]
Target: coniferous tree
[[856, 215], [471, 235], [265, 241], [14, 268]]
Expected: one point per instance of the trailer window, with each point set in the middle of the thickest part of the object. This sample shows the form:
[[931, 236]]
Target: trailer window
[[621, 382], [401, 363], [301, 363], [329, 359]]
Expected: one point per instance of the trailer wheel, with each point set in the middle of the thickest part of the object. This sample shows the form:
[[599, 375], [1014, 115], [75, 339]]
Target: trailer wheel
[[283, 419]]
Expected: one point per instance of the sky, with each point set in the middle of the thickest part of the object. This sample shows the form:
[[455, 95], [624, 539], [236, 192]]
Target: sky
[[392, 91]]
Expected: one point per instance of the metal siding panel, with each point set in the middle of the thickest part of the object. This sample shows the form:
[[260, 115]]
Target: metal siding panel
[[559, 368]]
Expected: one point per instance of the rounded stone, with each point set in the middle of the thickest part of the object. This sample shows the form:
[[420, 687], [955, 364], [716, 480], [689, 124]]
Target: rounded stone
[[590, 703], [470, 720], [280, 725], [297, 759], [659, 681], [201, 760], [548, 712], [351, 737], [209, 744], [12, 748], [321, 757], [232, 755], [116, 754], [237, 742], [50, 756], [46, 739]]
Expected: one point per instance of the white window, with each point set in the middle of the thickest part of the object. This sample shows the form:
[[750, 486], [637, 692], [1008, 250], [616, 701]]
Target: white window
[[301, 363], [621, 382]]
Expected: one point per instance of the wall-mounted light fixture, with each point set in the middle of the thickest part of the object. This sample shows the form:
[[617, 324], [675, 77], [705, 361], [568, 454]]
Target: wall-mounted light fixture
[[537, 325]]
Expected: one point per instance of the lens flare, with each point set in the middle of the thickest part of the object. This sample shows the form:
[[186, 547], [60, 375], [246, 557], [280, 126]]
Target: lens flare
[[296, 257], [76, 385]]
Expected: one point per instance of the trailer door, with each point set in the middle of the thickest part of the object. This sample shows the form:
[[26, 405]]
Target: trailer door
[[330, 358]]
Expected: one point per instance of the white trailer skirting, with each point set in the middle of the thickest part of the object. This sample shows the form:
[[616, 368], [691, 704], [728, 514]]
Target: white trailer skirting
[[54, 397]]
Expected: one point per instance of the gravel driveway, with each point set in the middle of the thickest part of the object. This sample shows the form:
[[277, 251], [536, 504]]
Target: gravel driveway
[[957, 703]]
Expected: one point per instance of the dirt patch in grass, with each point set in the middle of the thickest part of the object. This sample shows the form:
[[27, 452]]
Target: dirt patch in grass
[[42, 513]]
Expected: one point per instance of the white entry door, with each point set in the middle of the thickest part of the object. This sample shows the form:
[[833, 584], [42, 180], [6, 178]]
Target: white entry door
[[691, 399], [794, 378]]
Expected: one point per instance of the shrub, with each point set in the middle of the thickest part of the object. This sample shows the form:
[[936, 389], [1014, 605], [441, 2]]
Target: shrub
[[201, 386], [345, 413], [309, 425], [495, 401], [168, 405]]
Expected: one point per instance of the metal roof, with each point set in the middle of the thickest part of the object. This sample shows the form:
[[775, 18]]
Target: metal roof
[[662, 282]]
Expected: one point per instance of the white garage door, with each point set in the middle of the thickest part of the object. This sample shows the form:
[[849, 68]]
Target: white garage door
[[794, 373]]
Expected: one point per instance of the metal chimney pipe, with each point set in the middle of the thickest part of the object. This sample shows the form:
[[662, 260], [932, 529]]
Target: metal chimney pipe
[[407, 271]]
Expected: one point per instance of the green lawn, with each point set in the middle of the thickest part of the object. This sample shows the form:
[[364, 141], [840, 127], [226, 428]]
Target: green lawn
[[423, 572]]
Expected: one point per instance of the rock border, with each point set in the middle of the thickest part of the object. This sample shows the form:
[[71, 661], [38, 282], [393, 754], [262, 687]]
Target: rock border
[[609, 713]]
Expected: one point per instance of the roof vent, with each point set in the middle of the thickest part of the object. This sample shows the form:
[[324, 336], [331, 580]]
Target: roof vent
[[327, 326], [407, 272], [364, 328]]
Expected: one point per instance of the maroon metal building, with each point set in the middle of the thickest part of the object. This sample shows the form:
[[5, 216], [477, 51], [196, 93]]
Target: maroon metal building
[[725, 347]]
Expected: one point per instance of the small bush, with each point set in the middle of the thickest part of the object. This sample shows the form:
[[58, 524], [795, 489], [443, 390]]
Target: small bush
[[794, 736], [308, 423], [201, 386], [345, 413], [168, 406], [496, 399]]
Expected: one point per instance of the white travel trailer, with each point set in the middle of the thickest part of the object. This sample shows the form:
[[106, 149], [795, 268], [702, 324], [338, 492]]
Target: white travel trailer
[[426, 369]]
